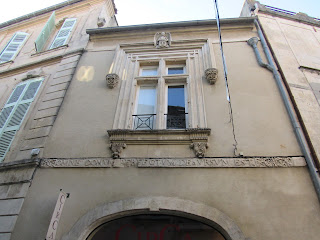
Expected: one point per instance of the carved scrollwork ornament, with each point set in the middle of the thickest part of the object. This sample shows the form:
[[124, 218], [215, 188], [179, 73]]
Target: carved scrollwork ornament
[[112, 80], [211, 75], [199, 148], [162, 40], [116, 149]]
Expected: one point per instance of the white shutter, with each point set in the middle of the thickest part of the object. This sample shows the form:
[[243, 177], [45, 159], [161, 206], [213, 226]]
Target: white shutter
[[64, 33], [13, 47], [14, 112]]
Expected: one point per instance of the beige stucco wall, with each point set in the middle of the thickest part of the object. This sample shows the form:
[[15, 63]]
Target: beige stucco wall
[[264, 203], [262, 127]]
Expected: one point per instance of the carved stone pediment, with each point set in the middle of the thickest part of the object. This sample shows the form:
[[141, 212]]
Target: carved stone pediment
[[112, 80], [162, 40], [211, 75], [163, 137]]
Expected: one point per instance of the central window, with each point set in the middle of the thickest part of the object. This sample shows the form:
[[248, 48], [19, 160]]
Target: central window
[[161, 97]]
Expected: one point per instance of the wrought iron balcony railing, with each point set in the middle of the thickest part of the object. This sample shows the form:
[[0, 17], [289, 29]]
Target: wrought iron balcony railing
[[143, 121], [176, 120]]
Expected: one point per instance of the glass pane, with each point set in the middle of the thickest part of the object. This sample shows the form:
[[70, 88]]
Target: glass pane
[[147, 100], [145, 116], [176, 116], [149, 72], [175, 70]]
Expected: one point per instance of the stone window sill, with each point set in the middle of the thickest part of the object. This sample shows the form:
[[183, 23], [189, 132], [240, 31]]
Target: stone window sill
[[196, 138], [49, 51]]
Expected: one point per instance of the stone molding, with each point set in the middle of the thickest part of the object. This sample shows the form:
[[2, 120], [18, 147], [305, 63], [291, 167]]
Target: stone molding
[[211, 75], [19, 164], [249, 162], [187, 136], [112, 80], [166, 205]]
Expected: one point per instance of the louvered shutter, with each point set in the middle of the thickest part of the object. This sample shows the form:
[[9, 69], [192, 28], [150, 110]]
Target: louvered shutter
[[45, 33], [14, 112], [13, 47], [63, 33]]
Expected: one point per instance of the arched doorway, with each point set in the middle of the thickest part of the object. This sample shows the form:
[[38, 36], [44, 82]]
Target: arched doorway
[[155, 227]]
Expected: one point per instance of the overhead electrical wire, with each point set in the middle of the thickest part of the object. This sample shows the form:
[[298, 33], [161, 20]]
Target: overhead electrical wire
[[225, 72]]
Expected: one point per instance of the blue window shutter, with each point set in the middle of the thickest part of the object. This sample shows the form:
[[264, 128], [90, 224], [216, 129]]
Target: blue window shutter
[[45, 33], [64, 33], [14, 111], [13, 47]]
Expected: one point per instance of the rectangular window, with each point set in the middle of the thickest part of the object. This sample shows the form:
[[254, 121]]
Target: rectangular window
[[175, 70], [64, 33], [144, 118], [176, 109], [13, 47], [149, 71], [14, 111]]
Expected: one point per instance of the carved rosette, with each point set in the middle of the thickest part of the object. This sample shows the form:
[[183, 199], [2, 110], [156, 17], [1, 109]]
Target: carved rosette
[[199, 148], [116, 149], [112, 80], [211, 75]]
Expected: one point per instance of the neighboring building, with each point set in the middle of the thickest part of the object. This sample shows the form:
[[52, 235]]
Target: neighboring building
[[39, 53], [294, 39], [144, 138]]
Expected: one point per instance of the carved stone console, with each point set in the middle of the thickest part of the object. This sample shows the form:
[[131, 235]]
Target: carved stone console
[[112, 80], [197, 137], [211, 75]]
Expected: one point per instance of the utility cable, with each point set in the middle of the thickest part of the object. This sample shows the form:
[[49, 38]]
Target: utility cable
[[226, 77]]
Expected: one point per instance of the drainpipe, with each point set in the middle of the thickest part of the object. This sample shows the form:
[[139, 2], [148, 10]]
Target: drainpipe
[[286, 99]]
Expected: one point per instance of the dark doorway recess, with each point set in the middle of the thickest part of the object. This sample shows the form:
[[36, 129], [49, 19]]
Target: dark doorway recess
[[154, 227]]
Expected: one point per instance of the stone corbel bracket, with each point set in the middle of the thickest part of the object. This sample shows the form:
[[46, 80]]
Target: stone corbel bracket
[[112, 80], [211, 75], [197, 137]]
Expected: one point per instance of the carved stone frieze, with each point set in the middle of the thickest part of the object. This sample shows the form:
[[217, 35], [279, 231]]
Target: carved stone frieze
[[162, 40], [199, 148], [211, 75], [254, 162], [117, 148], [112, 80]]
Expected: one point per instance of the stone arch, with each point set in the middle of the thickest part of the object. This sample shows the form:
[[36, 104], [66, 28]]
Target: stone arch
[[174, 206]]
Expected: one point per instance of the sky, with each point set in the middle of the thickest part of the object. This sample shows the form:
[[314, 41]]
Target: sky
[[133, 12]]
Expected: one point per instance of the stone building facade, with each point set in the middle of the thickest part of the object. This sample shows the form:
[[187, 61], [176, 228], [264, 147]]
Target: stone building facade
[[136, 127]]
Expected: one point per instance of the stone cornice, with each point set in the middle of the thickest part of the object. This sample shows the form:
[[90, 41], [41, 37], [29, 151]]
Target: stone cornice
[[19, 164], [159, 136]]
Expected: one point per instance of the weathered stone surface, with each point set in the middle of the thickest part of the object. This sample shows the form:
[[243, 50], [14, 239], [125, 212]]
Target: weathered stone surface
[[63, 73], [15, 175], [10, 206], [33, 143], [17, 190], [43, 122], [50, 104], [58, 87], [47, 113], [262, 162], [60, 80], [7, 223], [70, 59], [38, 132], [54, 95], [5, 236]]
